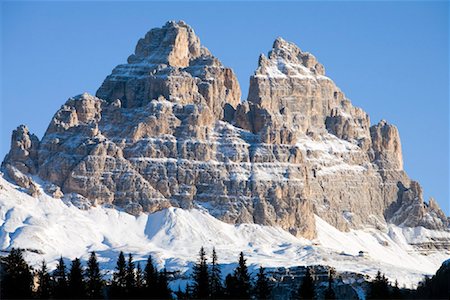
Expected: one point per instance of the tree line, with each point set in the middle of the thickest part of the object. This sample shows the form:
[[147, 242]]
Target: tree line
[[130, 281]]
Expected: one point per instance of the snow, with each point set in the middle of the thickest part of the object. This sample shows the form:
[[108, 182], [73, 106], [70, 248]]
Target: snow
[[174, 236], [330, 155], [273, 72], [283, 69], [394, 255], [340, 168], [326, 143]]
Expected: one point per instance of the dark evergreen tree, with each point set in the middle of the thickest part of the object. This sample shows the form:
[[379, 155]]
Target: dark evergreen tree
[[329, 292], [163, 290], [139, 276], [130, 276], [379, 288], [119, 282], [139, 289], [396, 293], [150, 278], [200, 276], [16, 279], [44, 281], [424, 289], [306, 290], [231, 287], [94, 281], [216, 288], [76, 284], [242, 276], [262, 288], [60, 289]]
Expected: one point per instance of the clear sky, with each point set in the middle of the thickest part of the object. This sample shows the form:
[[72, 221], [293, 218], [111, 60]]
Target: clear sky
[[390, 58]]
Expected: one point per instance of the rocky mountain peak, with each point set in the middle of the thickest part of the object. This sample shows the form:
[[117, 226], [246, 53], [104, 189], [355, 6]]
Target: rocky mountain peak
[[170, 62], [287, 60], [175, 44], [289, 88]]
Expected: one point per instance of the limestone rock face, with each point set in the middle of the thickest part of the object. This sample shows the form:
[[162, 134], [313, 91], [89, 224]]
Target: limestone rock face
[[386, 146], [171, 62], [168, 129], [410, 210], [23, 153]]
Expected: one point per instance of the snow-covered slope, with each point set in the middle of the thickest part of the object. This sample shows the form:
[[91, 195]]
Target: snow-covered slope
[[174, 236]]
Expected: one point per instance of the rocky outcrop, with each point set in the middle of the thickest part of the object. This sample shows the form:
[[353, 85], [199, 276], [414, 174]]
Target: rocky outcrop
[[386, 146], [410, 210], [168, 129], [349, 123], [21, 161], [23, 153]]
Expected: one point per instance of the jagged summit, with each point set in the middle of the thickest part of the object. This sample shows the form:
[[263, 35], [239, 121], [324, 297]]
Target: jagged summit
[[175, 44], [168, 129], [286, 59]]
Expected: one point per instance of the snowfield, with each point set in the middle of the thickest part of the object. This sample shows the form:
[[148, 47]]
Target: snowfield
[[50, 228]]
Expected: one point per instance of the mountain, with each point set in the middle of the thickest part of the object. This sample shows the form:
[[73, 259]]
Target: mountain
[[168, 130]]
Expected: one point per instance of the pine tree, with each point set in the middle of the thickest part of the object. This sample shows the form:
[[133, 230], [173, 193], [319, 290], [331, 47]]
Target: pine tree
[[201, 277], [150, 278], [17, 280], [60, 278], [306, 290], [262, 288], [130, 276], [231, 287], [94, 282], [242, 278], [119, 278], [163, 290], [76, 284], [424, 290], [216, 289], [139, 276], [396, 293], [379, 288], [329, 292], [139, 282], [44, 281]]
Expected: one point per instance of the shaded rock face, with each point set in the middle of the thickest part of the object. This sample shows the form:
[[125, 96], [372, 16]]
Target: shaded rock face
[[410, 210], [168, 129]]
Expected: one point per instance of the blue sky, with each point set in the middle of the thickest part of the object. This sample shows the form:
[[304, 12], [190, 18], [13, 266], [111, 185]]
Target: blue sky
[[390, 58]]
